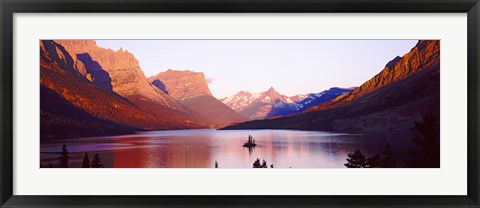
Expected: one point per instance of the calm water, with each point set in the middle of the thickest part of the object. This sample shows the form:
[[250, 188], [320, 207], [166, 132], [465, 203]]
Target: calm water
[[200, 148]]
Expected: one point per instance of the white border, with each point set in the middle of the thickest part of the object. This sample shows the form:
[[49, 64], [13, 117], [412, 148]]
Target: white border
[[450, 179]]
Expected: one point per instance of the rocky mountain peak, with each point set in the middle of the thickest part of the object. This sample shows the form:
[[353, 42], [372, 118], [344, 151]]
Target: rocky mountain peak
[[191, 90], [118, 70], [393, 61], [243, 93], [271, 96], [183, 84]]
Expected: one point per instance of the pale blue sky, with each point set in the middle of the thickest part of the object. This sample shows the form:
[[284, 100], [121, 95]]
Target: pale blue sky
[[290, 66]]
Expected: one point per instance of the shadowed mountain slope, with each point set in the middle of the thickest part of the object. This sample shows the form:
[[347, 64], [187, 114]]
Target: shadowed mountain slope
[[281, 108], [424, 55], [120, 69], [64, 85], [400, 94]]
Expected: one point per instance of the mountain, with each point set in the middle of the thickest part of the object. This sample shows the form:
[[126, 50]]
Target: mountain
[[405, 89], [116, 71], [425, 55], [281, 108], [255, 105], [240, 100], [77, 98], [181, 84], [191, 90], [270, 103]]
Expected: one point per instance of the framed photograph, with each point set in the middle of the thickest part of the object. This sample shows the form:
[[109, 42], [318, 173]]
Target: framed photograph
[[236, 103]]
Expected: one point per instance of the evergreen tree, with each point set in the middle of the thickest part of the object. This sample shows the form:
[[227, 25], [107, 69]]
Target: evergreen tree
[[257, 164], [86, 161], [373, 162], [96, 162], [387, 160], [427, 140], [64, 157], [264, 164], [356, 160]]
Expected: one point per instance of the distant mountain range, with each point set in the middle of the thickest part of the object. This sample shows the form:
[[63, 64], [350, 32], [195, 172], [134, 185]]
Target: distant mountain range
[[404, 90], [304, 102], [254, 105], [271, 103]]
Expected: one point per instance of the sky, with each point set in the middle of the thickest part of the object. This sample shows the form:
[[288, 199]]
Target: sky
[[290, 66]]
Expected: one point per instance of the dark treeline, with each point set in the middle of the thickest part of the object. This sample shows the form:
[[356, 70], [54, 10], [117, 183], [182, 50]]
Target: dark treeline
[[96, 162], [358, 160], [426, 153], [427, 141], [64, 159]]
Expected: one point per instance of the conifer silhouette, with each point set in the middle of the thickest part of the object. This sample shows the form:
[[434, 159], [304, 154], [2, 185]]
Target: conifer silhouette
[[86, 161], [257, 164], [356, 160], [96, 162], [427, 140], [63, 159]]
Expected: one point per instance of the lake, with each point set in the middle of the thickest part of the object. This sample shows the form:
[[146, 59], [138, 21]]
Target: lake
[[200, 148]]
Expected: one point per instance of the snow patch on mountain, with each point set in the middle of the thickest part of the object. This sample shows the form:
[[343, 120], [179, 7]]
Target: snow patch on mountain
[[305, 101], [271, 103]]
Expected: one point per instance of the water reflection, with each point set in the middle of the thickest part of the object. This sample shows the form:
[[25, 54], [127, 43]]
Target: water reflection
[[250, 149], [201, 148]]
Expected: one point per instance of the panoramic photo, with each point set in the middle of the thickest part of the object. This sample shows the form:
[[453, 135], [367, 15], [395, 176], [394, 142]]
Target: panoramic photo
[[239, 104]]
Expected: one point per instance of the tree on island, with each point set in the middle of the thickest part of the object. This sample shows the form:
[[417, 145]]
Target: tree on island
[[250, 142], [86, 161], [96, 162], [427, 140], [64, 157]]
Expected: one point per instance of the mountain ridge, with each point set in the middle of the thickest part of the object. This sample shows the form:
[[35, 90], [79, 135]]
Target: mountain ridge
[[269, 103], [304, 102], [63, 79], [120, 68], [394, 99], [254, 105], [423, 55]]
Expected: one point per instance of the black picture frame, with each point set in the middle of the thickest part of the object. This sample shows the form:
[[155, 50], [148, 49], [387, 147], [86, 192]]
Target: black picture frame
[[9, 7]]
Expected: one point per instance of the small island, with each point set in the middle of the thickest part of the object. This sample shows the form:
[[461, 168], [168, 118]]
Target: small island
[[250, 142]]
